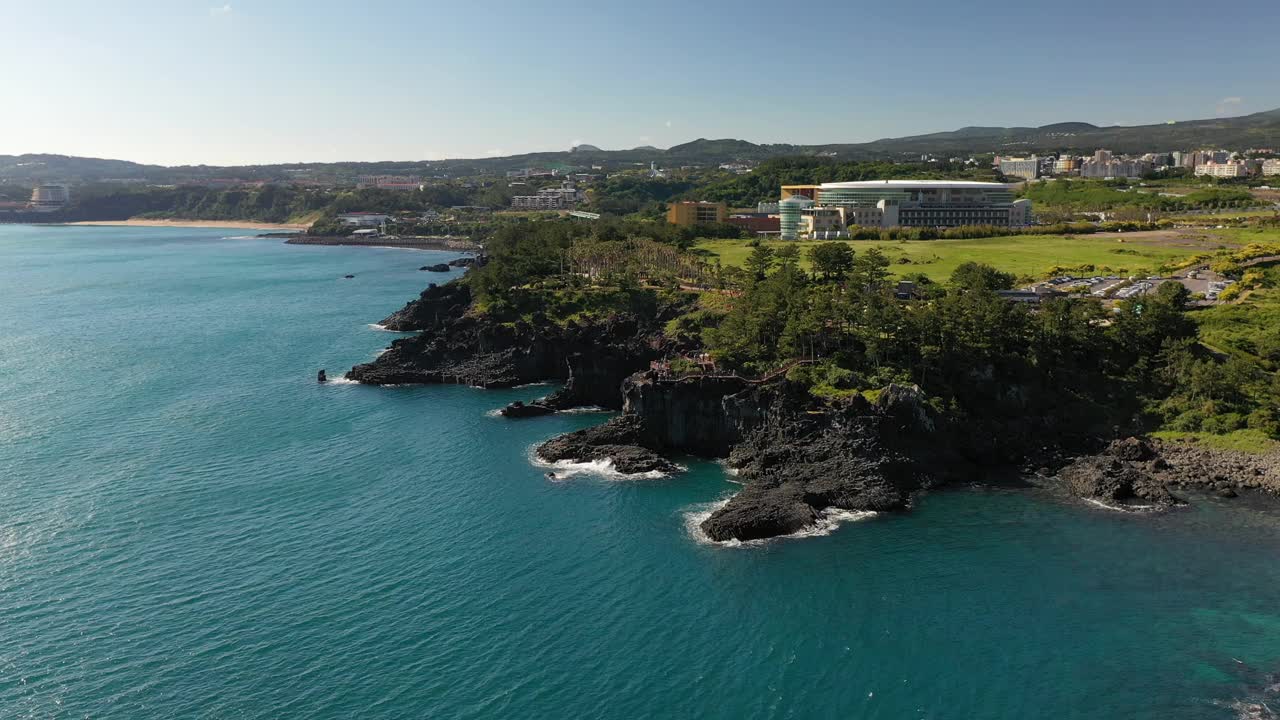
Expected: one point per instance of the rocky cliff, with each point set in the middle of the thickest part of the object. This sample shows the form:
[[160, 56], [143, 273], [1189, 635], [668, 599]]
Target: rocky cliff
[[796, 456], [457, 345], [796, 459]]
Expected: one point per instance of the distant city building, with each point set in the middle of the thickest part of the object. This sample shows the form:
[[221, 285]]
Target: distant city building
[[1223, 169], [364, 219], [389, 182], [49, 198], [1204, 157], [1026, 168], [562, 198], [697, 213], [531, 173], [1271, 167], [1157, 160], [1066, 165], [767, 208], [1113, 168]]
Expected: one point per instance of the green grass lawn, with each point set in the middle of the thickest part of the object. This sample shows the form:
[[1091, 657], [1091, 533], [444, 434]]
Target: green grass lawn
[[1250, 328], [1250, 441], [1032, 256]]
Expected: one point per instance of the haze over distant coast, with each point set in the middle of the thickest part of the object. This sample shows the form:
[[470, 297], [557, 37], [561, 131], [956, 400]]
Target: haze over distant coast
[[1254, 130]]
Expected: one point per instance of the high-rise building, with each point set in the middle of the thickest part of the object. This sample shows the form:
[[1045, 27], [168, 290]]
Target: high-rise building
[[1114, 168], [1066, 165], [49, 198], [1271, 167], [1026, 168]]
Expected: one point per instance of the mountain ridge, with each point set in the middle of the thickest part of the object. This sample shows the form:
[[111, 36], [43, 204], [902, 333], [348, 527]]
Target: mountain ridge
[[1261, 129]]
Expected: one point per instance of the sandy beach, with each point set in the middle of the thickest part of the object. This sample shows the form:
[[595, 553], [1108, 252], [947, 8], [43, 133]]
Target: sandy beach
[[228, 224]]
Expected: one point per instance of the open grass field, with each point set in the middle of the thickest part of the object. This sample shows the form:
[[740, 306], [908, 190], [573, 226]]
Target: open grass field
[[1027, 256], [1251, 327]]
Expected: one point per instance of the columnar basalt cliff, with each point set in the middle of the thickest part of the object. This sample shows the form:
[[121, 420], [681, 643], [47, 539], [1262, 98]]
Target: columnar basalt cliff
[[796, 460]]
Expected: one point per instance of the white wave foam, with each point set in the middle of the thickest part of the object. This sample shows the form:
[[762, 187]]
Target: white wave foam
[[828, 521], [584, 410], [340, 381], [382, 352], [566, 469], [1124, 508], [383, 328], [242, 237], [496, 412], [532, 384]]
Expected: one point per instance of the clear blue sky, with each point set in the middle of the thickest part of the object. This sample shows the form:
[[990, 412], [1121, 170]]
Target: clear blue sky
[[264, 81]]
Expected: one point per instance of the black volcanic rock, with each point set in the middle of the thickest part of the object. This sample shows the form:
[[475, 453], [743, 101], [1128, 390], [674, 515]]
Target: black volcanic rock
[[438, 267], [436, 307], [1141, 471], [857, 457], [519, 409], [626, 441], [761, 511], [458, 346], [1119, 474]]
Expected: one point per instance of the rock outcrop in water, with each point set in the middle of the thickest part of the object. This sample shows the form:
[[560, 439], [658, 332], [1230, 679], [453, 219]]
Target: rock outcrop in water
[[521, 409], [626, 441], [1137, 471], [1119, 475]]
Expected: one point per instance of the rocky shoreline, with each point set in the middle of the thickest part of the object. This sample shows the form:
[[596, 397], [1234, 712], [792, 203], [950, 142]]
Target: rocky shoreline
[[411, 243], [797, 458]]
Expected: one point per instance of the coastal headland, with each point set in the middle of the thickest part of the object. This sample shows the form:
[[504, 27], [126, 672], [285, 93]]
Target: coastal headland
[[799, 456]]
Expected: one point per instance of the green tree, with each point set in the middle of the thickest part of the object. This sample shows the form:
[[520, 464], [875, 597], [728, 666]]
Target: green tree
[[870, 270], [833, 260], [979, 276], [760, 261]]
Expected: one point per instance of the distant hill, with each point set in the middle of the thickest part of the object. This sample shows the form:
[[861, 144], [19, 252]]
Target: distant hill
[[1256, 130]]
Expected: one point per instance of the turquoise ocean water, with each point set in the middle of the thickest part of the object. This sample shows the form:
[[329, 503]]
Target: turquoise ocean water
[[190, 526]]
